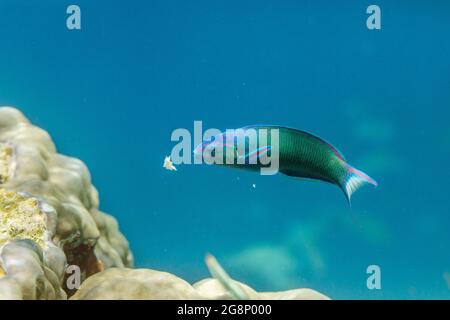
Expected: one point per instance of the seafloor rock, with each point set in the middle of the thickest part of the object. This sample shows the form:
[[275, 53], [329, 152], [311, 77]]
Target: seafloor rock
[[48, 198]]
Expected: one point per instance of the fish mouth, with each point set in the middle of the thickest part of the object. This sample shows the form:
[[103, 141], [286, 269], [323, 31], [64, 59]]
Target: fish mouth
[[198, 151], [197, 154]]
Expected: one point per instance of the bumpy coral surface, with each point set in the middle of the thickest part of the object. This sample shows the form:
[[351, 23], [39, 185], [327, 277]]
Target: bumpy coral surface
[[124, 283], [48, 199], [21, 218], [6, 152]]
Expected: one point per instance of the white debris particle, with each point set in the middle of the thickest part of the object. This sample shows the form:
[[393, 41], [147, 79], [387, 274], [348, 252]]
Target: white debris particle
[[168, 164]]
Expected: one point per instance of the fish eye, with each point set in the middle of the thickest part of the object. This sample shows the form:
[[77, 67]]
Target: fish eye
[[213, 152]]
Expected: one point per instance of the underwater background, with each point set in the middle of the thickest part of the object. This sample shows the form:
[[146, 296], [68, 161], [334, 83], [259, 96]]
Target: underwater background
[[112, 93]]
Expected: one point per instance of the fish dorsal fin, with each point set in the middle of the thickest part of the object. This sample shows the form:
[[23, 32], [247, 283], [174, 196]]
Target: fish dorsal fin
[[338, 153]]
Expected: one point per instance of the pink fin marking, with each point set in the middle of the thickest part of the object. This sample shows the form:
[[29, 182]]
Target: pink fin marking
[[336, 152], [258, 152], [362, 175], [353, 180]]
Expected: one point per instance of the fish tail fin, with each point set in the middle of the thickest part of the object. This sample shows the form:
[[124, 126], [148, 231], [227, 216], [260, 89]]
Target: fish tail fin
[[353, 179]]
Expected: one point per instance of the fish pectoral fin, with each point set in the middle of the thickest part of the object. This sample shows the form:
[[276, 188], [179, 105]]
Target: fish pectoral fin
[[252, 157]]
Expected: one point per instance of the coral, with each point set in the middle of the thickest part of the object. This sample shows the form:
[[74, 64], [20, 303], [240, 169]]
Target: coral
[[21, 218], [124, 283], [48, 198], [6, 152], [28, 272]]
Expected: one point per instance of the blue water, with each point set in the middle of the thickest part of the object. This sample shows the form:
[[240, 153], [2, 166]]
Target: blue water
[[112, 93]]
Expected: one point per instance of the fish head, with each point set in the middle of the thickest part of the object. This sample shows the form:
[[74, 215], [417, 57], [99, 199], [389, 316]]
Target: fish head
[[216, 150], [203, 150]]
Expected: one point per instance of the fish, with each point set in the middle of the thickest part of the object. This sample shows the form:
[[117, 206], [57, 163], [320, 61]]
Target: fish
[[300, 154]]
